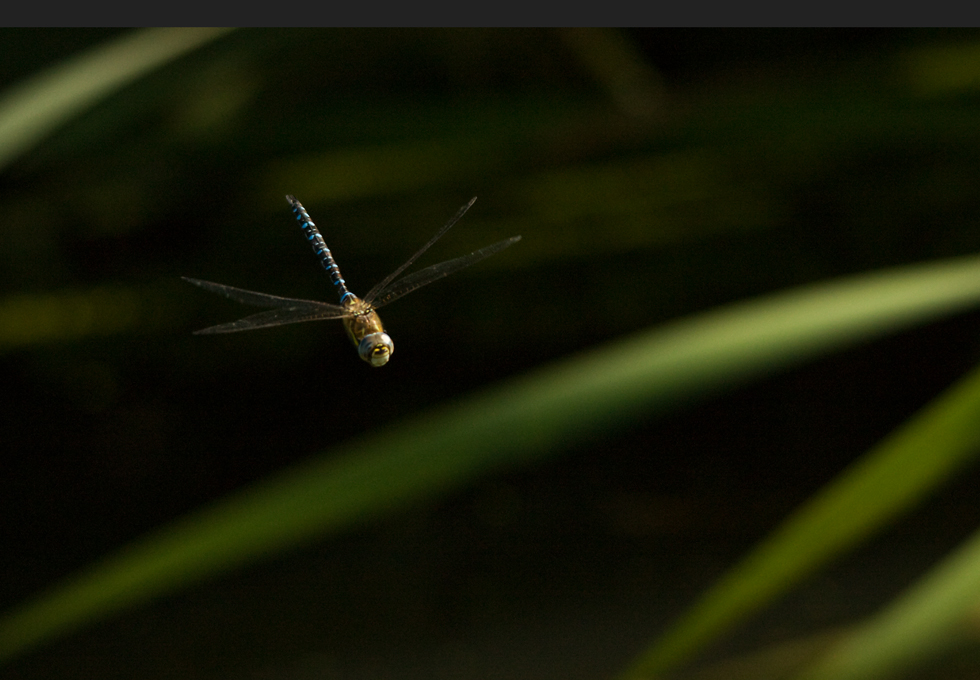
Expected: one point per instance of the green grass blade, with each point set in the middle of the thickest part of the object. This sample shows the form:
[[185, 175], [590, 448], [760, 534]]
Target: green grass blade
[[29, 320], [510, 425], [930, 618], [32, 110], [886, 481]]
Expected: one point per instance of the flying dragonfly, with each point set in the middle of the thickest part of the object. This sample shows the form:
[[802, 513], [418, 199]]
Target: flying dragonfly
[[358, 315]]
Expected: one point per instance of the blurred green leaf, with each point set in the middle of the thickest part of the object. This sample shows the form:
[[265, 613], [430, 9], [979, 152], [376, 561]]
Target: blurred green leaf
[[888, 480], [32, 110], [28, 320], [514, 424], [944, 69], [933, 616]]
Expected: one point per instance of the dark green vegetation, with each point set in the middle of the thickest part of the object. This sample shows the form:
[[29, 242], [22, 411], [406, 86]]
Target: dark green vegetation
[[714, 416]]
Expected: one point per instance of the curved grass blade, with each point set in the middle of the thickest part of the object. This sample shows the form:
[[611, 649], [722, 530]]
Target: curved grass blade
[[28, 320], [513, 424], [933, 616], [888, 480], [32, 110]]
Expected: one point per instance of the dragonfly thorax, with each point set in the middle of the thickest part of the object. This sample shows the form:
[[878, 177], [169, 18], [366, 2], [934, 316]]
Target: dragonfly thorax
[[366, 332]]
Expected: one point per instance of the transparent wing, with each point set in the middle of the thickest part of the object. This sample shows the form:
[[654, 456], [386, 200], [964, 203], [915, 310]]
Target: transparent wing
[[375, 292], [412, 282], [288, 310], [275, 317], [250, 297]]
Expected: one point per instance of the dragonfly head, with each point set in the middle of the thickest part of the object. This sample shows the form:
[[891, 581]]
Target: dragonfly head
[[376, 349]]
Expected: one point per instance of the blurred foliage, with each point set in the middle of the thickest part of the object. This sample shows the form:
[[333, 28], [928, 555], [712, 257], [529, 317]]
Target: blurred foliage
[[653, 175]]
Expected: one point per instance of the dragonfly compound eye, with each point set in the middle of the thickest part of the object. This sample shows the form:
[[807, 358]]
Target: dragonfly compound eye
[[376, 349]]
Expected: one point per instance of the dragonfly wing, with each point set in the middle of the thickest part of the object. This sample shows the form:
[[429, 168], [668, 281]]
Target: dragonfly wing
[[272, 317], [424, 277], [375, 292], [250, 297], [287, 310]]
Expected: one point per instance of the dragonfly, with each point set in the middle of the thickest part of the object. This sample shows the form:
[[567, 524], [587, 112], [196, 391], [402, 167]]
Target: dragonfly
[[359, 315]]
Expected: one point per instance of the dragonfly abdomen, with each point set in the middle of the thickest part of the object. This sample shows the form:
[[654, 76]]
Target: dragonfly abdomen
[[319, 247]]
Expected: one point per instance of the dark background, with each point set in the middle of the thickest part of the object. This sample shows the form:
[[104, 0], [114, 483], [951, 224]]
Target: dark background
[[752, 161]]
